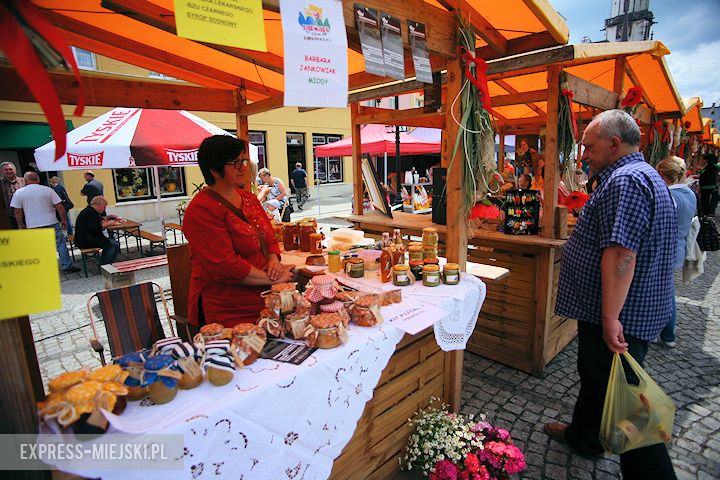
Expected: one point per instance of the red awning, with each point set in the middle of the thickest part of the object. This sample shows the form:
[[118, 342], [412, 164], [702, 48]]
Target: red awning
[[376, 140]]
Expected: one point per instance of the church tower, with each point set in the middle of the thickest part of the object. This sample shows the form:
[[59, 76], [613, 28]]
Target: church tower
[[630, 20]]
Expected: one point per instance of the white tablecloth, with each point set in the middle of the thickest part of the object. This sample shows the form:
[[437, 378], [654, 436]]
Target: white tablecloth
[[283, 421]]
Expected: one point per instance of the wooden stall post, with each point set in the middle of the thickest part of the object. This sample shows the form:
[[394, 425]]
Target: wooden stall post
[[501, 154], [552, 159], [356, 160], [456, 236], [241, 122], [619, 77]]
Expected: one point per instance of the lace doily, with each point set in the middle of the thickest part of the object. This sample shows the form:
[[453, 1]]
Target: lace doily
[[453, 331]]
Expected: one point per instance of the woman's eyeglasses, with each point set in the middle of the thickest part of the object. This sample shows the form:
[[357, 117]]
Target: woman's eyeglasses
[[238, 163]]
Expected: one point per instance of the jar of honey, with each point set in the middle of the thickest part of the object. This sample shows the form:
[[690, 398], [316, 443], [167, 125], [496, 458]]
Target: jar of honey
[[415, 253], [334, 261], [431, 275], [306, 228], [451, 274], [355, 267], [430, 236], [316, 243], [291, 236], [400, 275]]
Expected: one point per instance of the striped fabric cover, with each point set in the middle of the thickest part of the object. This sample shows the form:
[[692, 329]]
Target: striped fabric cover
[[131, 318]]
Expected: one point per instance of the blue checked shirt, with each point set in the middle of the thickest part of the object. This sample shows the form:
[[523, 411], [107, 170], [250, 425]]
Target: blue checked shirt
[[630, 207]]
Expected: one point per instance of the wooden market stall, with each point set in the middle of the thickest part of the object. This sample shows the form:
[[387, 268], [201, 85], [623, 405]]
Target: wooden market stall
[[517, 325], [249, 82]]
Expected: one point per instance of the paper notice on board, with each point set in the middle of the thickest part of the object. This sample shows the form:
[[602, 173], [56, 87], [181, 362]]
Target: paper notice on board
[[29, 278], [366, 20], [418, 45], [316, 66], [237, 24], [392, 44]]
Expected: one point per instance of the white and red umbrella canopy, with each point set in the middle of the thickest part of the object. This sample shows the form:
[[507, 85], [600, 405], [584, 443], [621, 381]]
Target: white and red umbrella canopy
[[131, 137], [379, 139]]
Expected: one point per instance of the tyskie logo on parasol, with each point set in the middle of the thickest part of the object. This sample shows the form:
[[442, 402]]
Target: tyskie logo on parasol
[[85, 160], [182, 156]]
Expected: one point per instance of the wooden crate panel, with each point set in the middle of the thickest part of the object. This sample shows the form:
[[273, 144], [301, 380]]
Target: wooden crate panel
[[503, 327], [499, 295], [363, 456], [563, 333], [507, 353]]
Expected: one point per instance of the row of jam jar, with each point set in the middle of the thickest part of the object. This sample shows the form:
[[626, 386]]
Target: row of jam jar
[[427, 270], [302, 236]]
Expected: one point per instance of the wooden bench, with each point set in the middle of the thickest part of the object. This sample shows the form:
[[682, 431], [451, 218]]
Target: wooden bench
[[121, 274], [175, 228], [154, 240], [85, 254]]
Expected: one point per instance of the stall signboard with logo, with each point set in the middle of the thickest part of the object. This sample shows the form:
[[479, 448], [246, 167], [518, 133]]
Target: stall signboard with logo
[[316, 65]]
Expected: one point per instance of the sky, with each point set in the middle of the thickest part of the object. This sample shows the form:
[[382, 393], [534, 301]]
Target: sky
[[690, 29]]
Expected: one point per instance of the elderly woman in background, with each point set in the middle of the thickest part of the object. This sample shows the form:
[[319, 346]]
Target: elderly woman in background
[[672, 171], [234, 253], [273, 193]]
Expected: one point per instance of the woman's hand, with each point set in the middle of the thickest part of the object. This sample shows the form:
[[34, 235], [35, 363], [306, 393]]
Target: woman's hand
[[274, 268], [287, 274]]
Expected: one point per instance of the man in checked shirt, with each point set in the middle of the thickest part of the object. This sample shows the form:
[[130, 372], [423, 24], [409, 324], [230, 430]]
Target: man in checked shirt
[[616, 279]]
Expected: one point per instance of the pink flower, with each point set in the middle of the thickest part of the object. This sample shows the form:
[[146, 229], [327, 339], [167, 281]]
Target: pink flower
[[482, 426], [482, 474], [502, 434], [472, 463], [444, 470]]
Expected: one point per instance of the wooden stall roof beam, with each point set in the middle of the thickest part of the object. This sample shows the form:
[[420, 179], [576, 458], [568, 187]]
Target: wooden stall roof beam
[[111, 91], [164, 19], [519, 98], [532, 124], [538, 61], [494, 39], [414, 117], [356, 161], [513, 91], [619, 76], [591, 95], [142, 50], [261, 106], [241, 122]]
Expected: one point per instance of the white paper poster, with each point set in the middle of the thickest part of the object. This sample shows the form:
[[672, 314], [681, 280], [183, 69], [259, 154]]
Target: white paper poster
[[316, 69]]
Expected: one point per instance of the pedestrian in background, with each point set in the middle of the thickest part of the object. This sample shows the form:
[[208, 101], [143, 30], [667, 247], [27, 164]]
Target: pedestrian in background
[[298, 180], [672, 171], [64, 199], [708, 184], [35, 207], [93, 188], [616, 279], [10, 183]]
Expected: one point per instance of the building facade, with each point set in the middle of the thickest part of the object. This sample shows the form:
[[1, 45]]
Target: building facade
[[630, 20]]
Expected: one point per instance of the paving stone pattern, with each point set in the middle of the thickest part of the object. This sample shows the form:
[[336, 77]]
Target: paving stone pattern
[[511, 399]]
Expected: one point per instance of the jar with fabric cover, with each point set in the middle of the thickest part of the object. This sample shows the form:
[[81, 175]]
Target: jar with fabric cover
[[219, 362], [186, 358], [336, 307], [161, 377], [326, 331], [366, 312], [210, 333], [134, 364], [284, 298], [248, 341], [270, 321], [296, 322]]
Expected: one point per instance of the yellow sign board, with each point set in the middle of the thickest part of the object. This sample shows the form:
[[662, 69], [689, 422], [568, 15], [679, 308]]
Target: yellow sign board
[[237, 23], [29, 278]]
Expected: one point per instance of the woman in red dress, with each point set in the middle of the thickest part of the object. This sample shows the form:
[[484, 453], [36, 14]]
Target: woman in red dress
[[234, 254]]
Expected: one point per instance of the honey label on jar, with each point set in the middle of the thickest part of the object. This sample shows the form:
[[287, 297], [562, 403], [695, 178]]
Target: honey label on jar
[[254, 342], [451, 278]]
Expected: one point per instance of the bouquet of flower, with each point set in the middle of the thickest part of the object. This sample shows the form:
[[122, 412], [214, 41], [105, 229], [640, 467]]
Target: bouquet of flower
[[445, 446]]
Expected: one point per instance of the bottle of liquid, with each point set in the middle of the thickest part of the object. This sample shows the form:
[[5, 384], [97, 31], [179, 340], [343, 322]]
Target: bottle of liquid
[[385, 240]]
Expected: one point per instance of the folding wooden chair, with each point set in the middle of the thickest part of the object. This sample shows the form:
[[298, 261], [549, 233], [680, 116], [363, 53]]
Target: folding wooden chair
[[131, 319]]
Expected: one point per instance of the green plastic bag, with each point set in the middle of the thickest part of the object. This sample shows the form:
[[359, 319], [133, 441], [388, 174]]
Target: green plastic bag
[[634, 416]]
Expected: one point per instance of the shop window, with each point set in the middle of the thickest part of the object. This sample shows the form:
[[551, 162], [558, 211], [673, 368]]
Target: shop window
[[327, 169], [139, 183], [85, 59], [259, 139]]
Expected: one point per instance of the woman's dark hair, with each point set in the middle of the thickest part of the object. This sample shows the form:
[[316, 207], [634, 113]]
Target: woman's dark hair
[[215, 152], [710, 158]]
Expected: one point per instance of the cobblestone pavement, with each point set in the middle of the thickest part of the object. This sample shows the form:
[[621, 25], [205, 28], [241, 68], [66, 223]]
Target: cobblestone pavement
[[511, 399], [689, 373]]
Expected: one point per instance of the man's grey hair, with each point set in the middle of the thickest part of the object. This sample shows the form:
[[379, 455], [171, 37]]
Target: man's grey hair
[[618, 123], [32, 177], [2, 165], [98, 200]]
